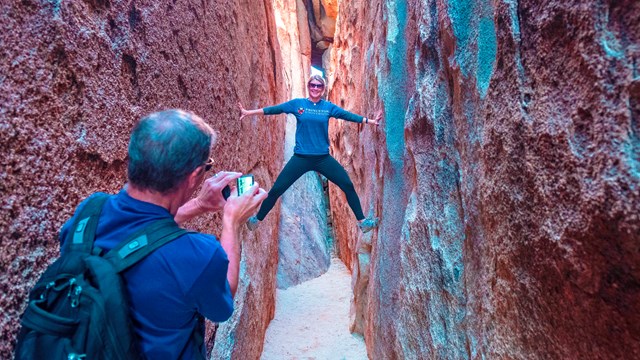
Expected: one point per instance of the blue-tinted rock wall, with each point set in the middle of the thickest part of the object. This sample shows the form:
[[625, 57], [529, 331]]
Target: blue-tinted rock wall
[[505, 173]]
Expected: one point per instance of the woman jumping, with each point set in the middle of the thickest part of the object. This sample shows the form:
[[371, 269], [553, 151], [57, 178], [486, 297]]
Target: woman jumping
[[312, 149]]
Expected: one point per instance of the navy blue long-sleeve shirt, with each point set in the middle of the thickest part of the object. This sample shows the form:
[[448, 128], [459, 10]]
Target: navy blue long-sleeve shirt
[[312, 123]]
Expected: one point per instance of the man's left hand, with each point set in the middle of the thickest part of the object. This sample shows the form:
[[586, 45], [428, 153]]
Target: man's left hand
[[210, 196]]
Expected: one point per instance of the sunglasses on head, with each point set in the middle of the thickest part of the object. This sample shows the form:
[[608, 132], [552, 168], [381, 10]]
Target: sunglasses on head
[[208, 165], [316, 86]]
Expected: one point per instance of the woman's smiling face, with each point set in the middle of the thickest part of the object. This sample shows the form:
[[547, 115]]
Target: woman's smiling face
[[316, 88]]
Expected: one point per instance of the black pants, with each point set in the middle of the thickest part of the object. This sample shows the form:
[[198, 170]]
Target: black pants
[[300, 164]]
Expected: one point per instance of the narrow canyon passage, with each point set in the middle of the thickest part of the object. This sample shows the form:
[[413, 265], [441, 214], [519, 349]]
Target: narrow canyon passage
[[312, 320]]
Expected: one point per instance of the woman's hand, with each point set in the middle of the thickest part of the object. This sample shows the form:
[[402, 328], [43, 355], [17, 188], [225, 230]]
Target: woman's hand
[[243, 111], [376, 119]]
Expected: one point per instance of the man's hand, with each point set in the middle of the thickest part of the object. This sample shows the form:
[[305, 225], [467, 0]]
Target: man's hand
[[238, 209], [210, 196]]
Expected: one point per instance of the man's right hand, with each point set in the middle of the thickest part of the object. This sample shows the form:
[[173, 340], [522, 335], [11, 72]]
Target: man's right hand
[[239, 209]]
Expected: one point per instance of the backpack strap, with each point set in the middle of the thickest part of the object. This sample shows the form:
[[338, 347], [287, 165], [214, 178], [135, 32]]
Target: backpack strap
[[83, 232], [198, 337], [143, 243], [140, 245]]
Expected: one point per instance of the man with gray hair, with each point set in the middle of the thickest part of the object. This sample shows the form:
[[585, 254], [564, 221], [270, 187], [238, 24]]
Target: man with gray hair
[[194, 275]]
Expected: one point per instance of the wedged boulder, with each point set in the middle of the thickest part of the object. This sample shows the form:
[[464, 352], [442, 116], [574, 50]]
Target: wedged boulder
[[321, 20], [304, 250]]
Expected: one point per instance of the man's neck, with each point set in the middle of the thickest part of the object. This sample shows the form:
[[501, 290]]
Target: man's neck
[[170, 202]]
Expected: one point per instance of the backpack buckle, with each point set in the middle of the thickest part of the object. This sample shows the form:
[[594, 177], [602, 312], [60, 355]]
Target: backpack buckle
[[45, 293], [74, 293]]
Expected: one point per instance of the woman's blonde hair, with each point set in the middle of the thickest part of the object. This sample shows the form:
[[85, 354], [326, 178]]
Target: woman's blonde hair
[[317, 78]]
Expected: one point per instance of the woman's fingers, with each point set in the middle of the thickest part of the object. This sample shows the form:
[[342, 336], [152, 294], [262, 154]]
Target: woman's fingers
[[378, 115], [243, 111]]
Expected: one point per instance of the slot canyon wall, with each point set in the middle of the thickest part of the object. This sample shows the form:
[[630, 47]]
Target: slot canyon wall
[[506, 173], [76, 75]]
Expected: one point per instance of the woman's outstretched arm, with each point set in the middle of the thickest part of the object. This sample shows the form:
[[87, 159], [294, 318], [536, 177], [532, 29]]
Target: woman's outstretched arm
[[339, 113], [377, 118], [286, 107], [245, 112]]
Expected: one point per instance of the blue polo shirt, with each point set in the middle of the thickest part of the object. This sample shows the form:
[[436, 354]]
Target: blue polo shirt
[[312, 123], [173, 285]]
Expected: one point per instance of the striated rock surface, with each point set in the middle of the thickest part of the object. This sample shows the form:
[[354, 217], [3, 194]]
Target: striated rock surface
[[506, 173], [75, 77]]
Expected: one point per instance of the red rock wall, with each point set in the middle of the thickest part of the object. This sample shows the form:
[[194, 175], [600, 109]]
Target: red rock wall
[[76, 75], [506, 173]]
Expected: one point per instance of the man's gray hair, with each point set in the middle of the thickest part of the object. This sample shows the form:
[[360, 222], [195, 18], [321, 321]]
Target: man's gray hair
[[165, 147]]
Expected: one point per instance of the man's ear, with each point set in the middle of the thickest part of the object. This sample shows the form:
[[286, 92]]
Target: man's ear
[[194, 178]]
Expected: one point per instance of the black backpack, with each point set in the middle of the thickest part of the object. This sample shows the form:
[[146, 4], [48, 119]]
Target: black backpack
[[78, 309]]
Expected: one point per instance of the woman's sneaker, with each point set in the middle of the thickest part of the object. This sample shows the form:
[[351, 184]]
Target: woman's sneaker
[[253, 223], [368, 224]]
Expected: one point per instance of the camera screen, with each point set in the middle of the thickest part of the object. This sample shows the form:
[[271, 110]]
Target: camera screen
[[244, 183]]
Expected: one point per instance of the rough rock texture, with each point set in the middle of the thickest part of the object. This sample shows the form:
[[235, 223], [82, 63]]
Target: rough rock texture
[[506, 174], [76, 75], [303, 251]]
